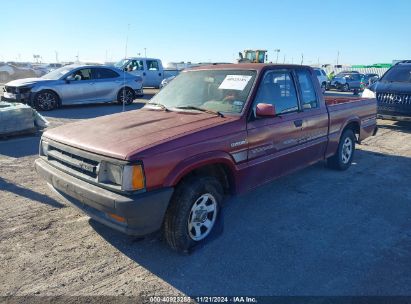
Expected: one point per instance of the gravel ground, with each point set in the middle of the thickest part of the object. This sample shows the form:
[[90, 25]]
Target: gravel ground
[[315, 232]]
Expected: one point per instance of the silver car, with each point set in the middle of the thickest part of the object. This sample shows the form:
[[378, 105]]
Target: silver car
[[75, 84]]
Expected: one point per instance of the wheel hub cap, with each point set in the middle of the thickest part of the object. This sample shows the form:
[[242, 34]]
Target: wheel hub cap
[[202, 217], [346, 150]]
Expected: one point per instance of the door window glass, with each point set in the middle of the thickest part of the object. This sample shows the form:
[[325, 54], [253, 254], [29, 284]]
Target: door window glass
[[134, 65], [83, 74], [277, 88], [152, 65], [101, 73], [308, 96]]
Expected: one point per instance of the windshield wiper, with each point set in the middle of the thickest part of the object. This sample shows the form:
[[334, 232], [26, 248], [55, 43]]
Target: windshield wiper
[[200, 109], [159, 105]]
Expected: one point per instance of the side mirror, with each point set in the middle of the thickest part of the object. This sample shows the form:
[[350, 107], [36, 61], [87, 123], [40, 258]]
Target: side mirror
[[69, 78], [265, 110]]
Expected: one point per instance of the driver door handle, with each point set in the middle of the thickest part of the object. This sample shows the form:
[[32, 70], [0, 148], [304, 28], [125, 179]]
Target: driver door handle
[[298, 123]]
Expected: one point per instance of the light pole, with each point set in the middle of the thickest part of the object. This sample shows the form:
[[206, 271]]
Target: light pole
[[145, 52], [277, 51]]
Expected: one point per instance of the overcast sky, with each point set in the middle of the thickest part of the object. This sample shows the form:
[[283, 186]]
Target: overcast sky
[[363, 32]]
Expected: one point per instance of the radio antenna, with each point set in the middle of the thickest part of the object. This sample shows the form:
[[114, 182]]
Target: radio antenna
[[124, 71]]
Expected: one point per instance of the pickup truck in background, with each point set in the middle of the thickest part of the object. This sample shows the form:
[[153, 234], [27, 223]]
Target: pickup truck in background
[[211, 132], [150, 69]]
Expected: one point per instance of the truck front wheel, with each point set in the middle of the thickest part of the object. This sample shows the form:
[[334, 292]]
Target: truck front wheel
[[342, 159], [193, 212]]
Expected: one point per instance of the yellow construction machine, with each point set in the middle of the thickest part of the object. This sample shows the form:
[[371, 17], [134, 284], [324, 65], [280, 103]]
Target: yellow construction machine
[[253, 56]]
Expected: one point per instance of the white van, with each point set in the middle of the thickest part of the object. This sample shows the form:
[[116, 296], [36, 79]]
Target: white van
[[150, 69]]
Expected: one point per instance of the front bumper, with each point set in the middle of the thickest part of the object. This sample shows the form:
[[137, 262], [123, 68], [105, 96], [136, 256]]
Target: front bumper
[[19, 97], [394, 117], [143, 213]]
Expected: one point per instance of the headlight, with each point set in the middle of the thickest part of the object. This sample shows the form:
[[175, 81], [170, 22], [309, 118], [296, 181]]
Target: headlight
[[23, 90], [128, 177], [44, 147], [367, 93]]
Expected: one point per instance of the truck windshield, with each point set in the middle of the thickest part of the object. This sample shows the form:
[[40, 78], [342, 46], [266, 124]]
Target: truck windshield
[[120, 64], [398, 74], [214, 90]]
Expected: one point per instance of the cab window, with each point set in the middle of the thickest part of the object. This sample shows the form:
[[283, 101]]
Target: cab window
[[134, 65], [277, 88], [308, 96], [152, 65]]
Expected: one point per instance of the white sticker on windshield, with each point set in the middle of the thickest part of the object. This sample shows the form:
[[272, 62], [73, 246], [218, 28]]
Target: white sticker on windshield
[[234, 82]]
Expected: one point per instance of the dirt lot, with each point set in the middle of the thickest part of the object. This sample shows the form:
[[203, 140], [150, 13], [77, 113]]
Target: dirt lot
[[316, 232]]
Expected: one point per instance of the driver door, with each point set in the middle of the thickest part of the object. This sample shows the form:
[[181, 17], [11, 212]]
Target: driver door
[[81, 89], [274, 141]]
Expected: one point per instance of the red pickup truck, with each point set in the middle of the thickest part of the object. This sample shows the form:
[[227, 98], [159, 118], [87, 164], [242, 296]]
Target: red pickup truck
[[213, 131]]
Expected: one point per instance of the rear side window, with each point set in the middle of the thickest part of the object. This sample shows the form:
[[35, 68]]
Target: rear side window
[[152, 65], [102, 73], [308, 96]]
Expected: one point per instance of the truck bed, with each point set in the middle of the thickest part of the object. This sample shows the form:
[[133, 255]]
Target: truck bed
[[341, 110], [332, 100]]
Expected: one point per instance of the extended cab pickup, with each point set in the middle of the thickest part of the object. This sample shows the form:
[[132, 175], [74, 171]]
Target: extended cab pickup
[[212, 131]]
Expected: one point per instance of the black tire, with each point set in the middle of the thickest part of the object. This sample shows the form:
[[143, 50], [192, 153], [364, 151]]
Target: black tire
[[340, 160], [127, 94], [179, 215], [345, 87], [46, 100]]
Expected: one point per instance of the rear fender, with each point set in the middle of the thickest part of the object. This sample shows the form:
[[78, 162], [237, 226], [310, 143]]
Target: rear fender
[[334, 139]]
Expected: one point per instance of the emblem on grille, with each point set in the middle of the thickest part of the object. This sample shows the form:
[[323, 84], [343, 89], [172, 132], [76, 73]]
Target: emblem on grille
[[87, 167]]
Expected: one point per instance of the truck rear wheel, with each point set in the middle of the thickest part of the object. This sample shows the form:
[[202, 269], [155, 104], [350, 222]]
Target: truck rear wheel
[[193, 212], [342, 159]]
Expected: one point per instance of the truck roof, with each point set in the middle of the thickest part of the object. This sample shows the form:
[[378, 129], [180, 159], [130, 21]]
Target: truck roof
[[141, 58]]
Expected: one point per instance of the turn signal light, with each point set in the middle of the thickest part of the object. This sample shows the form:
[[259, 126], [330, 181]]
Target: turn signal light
[[117, 217], [138, 178]]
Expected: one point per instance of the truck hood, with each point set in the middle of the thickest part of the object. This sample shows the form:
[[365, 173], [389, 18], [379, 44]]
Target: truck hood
[[126, 134], [25, 82], [391, 87]]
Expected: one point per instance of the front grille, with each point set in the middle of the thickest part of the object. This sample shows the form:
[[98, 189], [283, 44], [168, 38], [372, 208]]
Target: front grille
[[10, 89], [72, 162], [394, 98]]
